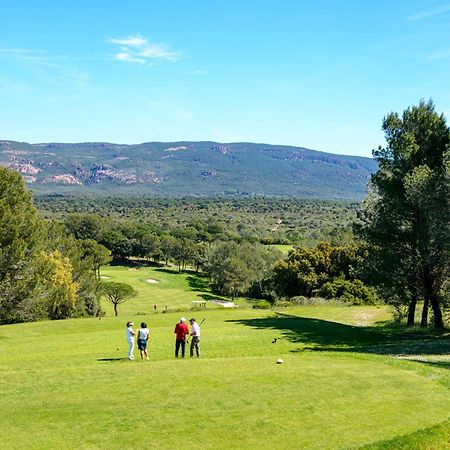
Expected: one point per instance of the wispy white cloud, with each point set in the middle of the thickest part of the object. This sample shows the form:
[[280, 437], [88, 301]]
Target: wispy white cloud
[[429, 13], [135, 41], [138, 49], [32, 56], [59, 71], [129, 58]]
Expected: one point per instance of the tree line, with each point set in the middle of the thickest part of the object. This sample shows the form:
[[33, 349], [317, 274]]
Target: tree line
[[398, 253], [45, 273]]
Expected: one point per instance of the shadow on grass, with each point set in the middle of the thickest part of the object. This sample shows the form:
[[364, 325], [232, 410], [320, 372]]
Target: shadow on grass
[[209, 297], [441, 364], [198, 283], [168, 270], [175, 271], [323, 335], [112, 359], [135, 263]]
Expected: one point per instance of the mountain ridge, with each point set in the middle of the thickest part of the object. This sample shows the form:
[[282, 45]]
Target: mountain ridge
[[180, 168]]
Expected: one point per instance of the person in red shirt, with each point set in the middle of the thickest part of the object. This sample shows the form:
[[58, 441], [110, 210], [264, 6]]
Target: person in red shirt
[[181, 331]]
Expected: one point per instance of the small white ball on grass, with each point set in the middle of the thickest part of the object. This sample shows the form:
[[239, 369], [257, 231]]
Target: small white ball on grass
[[279, 361]]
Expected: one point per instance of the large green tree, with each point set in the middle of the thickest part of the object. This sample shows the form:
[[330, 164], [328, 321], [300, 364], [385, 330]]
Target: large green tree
[[235, 267], [97, 254], [406, 217], [43, 274], [117, 293], [83, 264], [305, 270], [21, 242], [85, 226]]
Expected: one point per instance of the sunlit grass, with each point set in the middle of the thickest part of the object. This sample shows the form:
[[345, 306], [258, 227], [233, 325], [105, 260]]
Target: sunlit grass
[[164, 287], [66, 384]]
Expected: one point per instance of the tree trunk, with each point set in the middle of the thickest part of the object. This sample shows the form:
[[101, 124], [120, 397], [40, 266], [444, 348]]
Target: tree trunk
[[437, 312], [412, 310], [115, 309], [424, 320], [432, 299]]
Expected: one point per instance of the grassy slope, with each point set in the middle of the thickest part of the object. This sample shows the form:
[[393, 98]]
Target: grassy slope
[[66, 384], [171, 289]]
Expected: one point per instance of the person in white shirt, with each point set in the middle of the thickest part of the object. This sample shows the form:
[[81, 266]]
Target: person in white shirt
[[195, 338], [143, 334], [130, 339]]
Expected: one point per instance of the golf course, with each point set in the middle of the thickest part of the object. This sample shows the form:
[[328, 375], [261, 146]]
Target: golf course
[[350, 378]]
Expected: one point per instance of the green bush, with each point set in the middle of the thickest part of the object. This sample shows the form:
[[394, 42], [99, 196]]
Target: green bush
[[299, 300], [262, 304], [354, 291]]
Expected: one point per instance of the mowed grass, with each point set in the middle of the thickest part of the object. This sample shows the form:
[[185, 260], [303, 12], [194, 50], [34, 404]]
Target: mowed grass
[[67, 384], [164, 287]]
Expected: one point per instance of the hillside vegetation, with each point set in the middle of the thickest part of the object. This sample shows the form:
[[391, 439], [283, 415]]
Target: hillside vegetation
[[188, 168], [289, 220]]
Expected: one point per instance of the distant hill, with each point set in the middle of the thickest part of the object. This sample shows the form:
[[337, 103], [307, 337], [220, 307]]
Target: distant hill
[[188, 169]]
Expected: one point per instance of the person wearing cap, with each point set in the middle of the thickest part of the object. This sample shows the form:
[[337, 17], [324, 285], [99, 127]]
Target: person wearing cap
[[181, 331], [195, 338], [130, 339]]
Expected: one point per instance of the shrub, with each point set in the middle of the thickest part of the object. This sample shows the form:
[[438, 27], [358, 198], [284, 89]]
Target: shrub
[[299, 300], [354, 291], [302, 300], [262, 304]]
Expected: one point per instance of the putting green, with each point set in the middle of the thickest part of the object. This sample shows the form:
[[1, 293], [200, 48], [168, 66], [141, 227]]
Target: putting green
[[67, 385]]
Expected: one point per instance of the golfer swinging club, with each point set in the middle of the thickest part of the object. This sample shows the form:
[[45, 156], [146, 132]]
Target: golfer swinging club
[[195, 338]]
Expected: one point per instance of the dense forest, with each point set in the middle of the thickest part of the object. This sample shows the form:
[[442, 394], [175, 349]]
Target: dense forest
[[267, 219]]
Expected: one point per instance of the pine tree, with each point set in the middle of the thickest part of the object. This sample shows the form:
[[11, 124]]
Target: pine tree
[[406, 218]]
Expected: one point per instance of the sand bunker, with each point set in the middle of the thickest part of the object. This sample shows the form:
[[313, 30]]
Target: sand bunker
[[151, 281], [224, 303]]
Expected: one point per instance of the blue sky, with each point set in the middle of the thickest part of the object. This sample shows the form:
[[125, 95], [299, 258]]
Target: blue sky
[[319, 74]]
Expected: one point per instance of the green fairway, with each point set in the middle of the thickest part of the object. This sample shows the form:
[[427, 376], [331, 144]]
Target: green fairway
[[67, 384], [160, 286]]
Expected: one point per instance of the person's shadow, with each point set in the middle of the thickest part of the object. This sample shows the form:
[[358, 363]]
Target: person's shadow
[[112, 359]]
